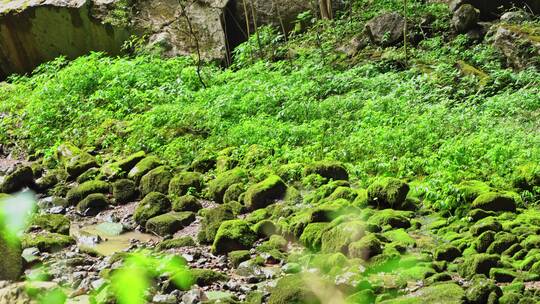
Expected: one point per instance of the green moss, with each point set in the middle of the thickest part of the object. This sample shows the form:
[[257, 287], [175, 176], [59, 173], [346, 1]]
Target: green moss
[[503, 241], [152, 205], [265, 193], [531, 242], [470, 190], [487, 224], [22, 177], [233, 235], [46, 242], [124, 191], [293, 289], [88, 175], [276, 242], [81, 191], [11, 265], [186, 203], [494, 201], [47, 181], [258, 215], [484, 240], [343, 193], [392, 218], [143, 167], [223, 181], [265, 228], [79, 163], [92, 204], [186, 183], [481, 290], [212, 219], [478, 264], [233, 193], [56, 223], [129, 162], [169, 223], [312, 235], [238, 256], [366, 248], [327, 169], [206, 277], [400, 237], [501, 275], [339, 237], [290, 172], [185, 241], [527, 176], [387, 193], [157, 180], [447, 253], [443, 293]]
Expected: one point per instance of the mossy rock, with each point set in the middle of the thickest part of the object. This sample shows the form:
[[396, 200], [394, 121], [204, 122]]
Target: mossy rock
[[19, 179], [143, 167], [124, 191], [338, 238], [531, 242], [501, 275], [11, 264], [276, 242], [478, 214], [129, 162], [265, 228], [234, 192], [157, 180], [152, 205], [233, 235], [393, 218], [290, 172], [366, 248], [265, 193], [46, 181], [186, 203], [527, 176], [447, 253], [185, 241], [503, 241], [399, 237], [343, 193], [169, 223], [46, 242], [92, 204], [470, 190], [487, 224], [442, 293], [203, 163], [223, 181], [88, 175], [494, 201], [482, 290], [238, 256], [184, 182], [212, 219], [236, 207], [327, 169], [312, 236], [79, 164], [56, 223], [387, 193], [206, 277], [479, 264], [78, 193], [293, 289]]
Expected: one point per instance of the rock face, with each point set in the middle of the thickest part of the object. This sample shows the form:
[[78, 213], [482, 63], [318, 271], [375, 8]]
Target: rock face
[[492, 9], [386, 29], [36, 31], [520, 45]]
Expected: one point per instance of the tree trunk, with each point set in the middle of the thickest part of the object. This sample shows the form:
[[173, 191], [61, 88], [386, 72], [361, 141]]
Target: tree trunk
[[326, 9]]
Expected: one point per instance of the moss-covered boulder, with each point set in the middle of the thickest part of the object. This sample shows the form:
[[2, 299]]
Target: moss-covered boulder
[[479, 264], [233, 193], [19, 179], [185, 241], [501, 275], [48, 180], [293, 289], [11, 262], [223, 181], [212, 219], [265, 193], [233, 235], [447, 253], [152, 205], [391, 218], [78, 193], [129, 162], [46, 242], [186, 203], [185, 182], [470, 190], [483, 290], [312, 235], [265, 228], [92, 204], [327, 169], [124, 191], [387, 193], [338, 238], [366, 248], [56, 223], [494, 201], [143, 167], [88, 175], [75, 160], [527, 176], [238, 256], [441, 293], [502, 241], [206, 277], [169, 223], [157, 180]]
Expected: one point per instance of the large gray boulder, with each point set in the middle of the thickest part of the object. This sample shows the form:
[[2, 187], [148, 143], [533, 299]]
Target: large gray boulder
[[493, 9], [386, 29], [519, 45]]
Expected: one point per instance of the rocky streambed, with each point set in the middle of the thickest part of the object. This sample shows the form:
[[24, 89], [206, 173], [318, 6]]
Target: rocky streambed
[[299, 233]]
